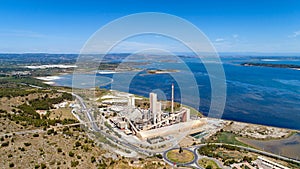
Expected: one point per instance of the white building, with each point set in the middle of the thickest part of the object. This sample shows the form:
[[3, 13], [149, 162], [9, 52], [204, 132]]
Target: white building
[[153, 106], [131, 101]]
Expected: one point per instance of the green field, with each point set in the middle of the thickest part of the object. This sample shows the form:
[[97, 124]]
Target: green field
[[229, 138], [207, 163]]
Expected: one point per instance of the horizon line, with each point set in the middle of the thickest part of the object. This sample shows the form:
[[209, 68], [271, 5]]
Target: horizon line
[[187, 53]]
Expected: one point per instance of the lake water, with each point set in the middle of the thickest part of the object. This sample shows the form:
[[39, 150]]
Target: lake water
[[288, 147], [259, 95]]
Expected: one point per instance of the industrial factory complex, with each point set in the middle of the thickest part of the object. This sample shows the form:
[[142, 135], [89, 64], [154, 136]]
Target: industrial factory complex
[[150, 122], [130, 125]]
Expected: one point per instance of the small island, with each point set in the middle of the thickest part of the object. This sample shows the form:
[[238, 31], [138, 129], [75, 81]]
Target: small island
[[290, 66]]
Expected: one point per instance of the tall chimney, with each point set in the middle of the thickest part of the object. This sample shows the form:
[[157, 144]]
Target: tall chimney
[[172, 106], [153, 106]]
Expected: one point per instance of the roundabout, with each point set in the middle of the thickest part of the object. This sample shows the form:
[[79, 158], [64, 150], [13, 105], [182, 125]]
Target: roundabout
[[177, 156]]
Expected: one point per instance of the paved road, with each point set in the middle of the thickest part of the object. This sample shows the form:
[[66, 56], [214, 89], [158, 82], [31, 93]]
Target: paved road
[[261, 152], [95, 128], [193, 163], [213, 159], [198, 156]]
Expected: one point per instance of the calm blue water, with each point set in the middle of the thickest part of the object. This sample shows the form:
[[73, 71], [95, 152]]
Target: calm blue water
[[261, 95]]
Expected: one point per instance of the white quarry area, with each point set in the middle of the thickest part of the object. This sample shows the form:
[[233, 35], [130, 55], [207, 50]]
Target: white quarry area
[[61, 105], [115, 97]]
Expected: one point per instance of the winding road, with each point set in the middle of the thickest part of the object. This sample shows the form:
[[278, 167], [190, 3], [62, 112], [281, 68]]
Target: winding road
[[194, 149], [95, 128]]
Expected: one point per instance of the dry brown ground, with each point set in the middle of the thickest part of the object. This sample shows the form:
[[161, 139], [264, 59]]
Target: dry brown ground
[[7, 126], [257, 131], [61, 113], [44, 150], [187, 141], [9, 104]]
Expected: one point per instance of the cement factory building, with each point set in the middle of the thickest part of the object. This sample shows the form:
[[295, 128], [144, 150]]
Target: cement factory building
[[147, 123]]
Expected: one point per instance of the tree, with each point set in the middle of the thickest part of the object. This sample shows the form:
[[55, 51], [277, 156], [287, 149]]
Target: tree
[[77, 144], [59, 150], [43, 165], [248, 159], [208, 167], [11, 165], [5, 144], [180, 150], [74, 163], [35, 135], [27, 144], [93, 159], [71, 154], [159, 156]]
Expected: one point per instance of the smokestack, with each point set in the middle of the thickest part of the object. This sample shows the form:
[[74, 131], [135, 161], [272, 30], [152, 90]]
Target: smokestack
[[153, 106], [172, 106]]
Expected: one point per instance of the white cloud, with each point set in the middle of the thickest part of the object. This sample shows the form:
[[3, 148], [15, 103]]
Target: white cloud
[[219, 40], [295, 34]]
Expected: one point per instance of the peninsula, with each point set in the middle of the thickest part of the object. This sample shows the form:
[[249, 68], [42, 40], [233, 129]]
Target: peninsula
[[271, 65]]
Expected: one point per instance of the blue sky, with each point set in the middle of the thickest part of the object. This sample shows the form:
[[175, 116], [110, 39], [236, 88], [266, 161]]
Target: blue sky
[[58, 26]]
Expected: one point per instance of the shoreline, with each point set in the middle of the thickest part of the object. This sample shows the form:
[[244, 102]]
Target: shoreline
[[288, 146], [271, 65], [48, 78], [61, 66], [50, 81]]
